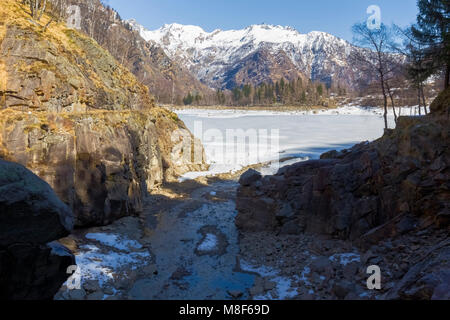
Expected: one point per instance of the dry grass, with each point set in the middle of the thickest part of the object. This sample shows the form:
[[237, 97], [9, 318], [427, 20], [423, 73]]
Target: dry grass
[[3, 73], [69, 44]]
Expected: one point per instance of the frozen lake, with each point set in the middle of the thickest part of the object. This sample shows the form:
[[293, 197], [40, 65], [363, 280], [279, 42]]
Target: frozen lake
[[234, 139]]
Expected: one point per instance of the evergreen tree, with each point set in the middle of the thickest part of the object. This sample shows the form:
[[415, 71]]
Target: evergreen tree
[[320, 89], [220, 97], [237, 94], [197, 98], [432, 30], [188, 99]]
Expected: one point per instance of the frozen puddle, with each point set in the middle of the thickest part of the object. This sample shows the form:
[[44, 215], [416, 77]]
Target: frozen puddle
[[209, 243]]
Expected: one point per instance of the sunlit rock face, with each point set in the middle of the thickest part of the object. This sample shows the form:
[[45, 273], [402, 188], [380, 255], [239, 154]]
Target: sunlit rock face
[[81, 121]]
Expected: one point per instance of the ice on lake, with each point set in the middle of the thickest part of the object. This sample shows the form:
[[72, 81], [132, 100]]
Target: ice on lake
[[299, 135]]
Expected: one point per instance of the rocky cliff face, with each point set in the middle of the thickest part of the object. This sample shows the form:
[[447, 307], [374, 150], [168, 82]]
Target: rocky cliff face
[[31, 217], [81, 121], [394, 189]]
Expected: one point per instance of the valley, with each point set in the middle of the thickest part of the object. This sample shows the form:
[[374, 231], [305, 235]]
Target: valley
[[261, 162], [187, 240]]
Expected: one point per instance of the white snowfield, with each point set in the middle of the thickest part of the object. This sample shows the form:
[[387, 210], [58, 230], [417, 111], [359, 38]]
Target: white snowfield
[[288, 137], [189, 36]]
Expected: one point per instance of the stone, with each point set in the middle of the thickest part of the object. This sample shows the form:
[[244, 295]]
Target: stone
[[91, 286], [28, 206], [77, 294], [70, 243], [291, 228], [250, 177], [427, 279], [349, 271], [321, 265], [342, 288], [235, 294], [269, 285], [32, 265]]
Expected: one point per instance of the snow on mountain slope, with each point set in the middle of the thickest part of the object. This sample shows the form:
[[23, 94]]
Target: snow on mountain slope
[[211, 56]]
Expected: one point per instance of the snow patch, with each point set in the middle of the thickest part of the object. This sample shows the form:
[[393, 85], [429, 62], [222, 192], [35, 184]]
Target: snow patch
[[284, 289], [345, 258], [103, 266], [209, 243], [114, 241]]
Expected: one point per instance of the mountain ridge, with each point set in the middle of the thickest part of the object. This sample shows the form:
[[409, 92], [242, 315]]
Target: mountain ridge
[[211, 56]]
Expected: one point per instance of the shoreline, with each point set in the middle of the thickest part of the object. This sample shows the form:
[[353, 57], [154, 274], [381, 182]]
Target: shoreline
[[348, 109]]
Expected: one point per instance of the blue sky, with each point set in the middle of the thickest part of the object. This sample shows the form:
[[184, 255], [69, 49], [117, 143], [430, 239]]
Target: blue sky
[[332, 16]]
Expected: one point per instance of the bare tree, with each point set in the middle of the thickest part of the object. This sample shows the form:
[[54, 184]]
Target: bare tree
[[377, 43], [418, 64], [37, 8]]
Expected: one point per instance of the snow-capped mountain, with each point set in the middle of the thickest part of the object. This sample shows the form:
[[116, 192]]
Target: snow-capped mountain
[[224, 59]]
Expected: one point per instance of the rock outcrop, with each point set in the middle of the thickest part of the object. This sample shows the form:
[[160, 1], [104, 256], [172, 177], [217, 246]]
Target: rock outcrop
[[81, 121], [374, 190], [395, 189], [31, 217]]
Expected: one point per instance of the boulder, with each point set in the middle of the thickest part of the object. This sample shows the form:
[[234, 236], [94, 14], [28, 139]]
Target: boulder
[[428, 279], [30, 212], [32, 265], [249, 177]]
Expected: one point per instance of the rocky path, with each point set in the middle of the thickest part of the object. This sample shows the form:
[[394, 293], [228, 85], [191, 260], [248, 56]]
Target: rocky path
[[185, 246], [195, 244]]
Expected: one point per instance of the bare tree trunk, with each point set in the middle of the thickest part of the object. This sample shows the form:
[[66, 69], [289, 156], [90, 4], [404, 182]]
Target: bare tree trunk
[[447, 76], [423, 98], [36, 8], [420, 102], [43, 7], [383, 90], [391, 96]]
